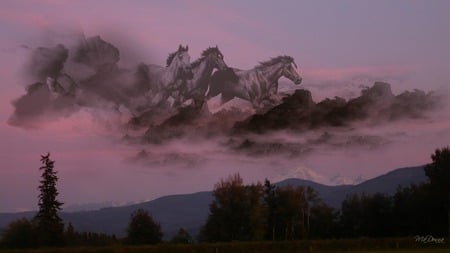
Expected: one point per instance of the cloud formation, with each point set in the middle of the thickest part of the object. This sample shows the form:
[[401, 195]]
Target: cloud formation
[[67, 78], [84, 77]]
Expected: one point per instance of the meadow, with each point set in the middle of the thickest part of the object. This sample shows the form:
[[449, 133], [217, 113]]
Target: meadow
[[387, 245]]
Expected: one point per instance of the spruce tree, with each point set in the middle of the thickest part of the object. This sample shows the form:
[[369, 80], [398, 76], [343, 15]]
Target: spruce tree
[[49, 225]]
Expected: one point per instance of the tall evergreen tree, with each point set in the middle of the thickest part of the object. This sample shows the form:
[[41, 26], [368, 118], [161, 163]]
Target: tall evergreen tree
[[49, 225]]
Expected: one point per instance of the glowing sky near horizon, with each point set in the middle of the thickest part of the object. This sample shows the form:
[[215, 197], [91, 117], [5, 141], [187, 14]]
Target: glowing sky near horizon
[[405, 42]]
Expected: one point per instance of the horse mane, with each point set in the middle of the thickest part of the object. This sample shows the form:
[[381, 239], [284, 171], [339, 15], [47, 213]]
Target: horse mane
[[204, 54], [172, 55], [275, 60]]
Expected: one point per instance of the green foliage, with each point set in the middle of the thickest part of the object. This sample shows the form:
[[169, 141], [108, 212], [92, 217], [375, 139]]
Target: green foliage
[[19, 234], [142, 229], [49, 225]]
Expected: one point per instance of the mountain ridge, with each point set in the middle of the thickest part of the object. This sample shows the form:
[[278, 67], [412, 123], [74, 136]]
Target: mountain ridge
[[190, 211]]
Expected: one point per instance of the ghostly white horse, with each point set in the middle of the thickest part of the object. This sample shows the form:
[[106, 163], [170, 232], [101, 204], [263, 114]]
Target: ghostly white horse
[[196, 88], [159, 82], [256, 85]]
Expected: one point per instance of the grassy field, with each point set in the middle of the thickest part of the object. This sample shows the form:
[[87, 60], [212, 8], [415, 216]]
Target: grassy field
[[326, 246], [145, 249]]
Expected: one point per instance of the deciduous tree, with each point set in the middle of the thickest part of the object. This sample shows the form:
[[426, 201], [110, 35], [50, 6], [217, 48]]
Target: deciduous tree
[[19, 234], [142, 229], [236, 213]]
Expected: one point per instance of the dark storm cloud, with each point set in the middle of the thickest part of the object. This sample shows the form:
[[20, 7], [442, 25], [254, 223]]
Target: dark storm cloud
[[67, 79], [47, 62]]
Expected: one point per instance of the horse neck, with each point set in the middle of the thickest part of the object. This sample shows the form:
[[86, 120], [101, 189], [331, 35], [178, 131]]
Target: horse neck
[[170, 72], [203, 70], [274, 72]]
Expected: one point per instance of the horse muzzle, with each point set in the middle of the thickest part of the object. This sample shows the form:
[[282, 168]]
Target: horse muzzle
[[298, 81]]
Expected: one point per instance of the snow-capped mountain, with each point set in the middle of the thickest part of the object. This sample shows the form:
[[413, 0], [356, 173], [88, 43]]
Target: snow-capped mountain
[[311, 175]]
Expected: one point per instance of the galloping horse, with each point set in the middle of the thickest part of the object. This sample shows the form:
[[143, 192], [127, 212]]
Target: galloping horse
[[195, 89], [255, 85], [162, 81]]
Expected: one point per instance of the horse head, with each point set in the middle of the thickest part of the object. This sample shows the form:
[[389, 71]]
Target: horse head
[[289, 70], [180, 61], [214, 55]]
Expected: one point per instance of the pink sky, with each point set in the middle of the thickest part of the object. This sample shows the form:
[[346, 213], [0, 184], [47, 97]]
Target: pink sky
[[404, 42]]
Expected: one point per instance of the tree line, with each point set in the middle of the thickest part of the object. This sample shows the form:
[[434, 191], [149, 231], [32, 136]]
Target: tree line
[[266, 212], [260, 211]]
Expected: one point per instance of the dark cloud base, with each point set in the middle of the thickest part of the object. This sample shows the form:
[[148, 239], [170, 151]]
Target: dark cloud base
[[376, 104], [299, 126]]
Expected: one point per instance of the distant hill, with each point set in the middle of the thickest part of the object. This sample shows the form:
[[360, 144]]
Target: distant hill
[[191, 210], [172, 212], [387, 184]]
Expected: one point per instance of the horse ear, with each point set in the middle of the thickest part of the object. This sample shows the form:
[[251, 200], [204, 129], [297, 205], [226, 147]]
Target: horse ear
[[187, 47], [180, 47]]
